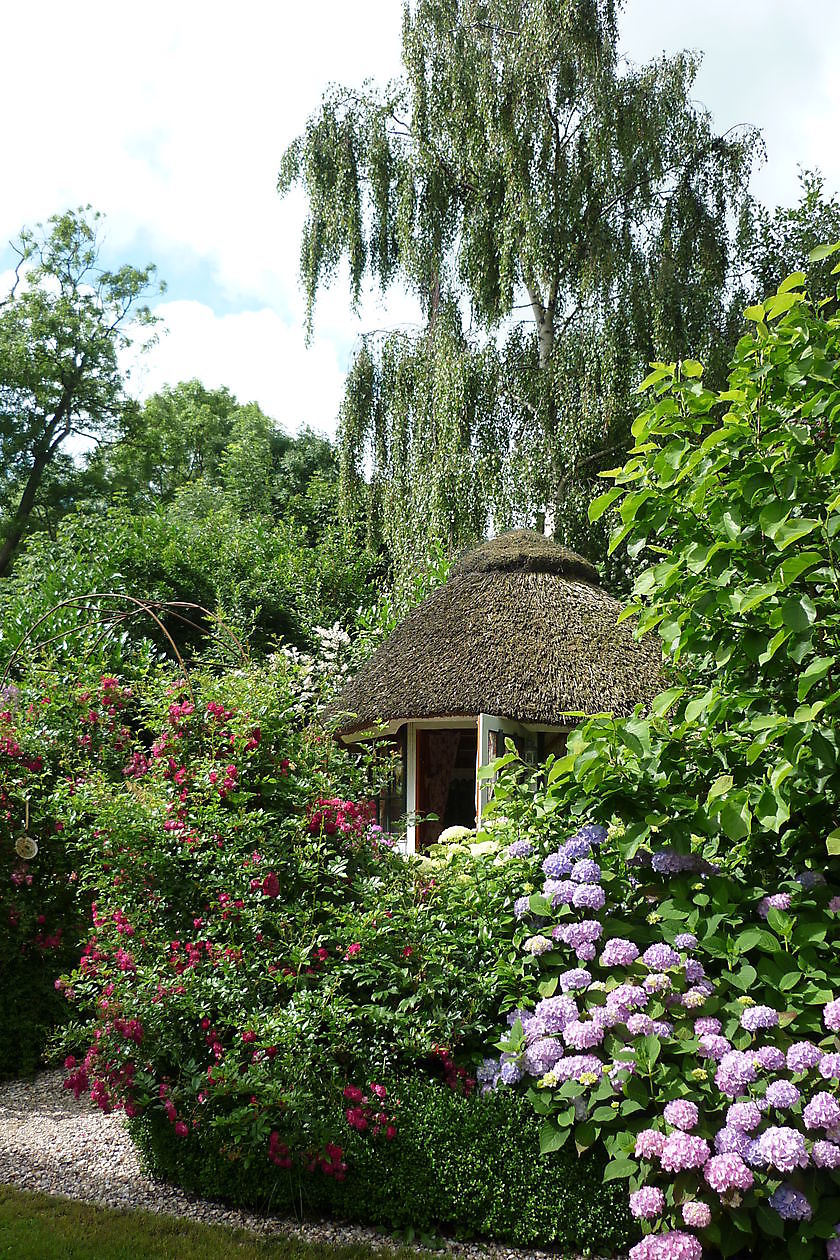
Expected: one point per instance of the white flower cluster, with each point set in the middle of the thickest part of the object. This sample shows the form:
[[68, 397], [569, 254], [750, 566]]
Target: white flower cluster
[[318, 677]]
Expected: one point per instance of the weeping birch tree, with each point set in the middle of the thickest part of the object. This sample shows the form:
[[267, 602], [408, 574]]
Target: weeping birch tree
[[562, 217]]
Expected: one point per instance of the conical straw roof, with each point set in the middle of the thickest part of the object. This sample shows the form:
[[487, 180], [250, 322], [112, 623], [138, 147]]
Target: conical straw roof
[[520, 629]]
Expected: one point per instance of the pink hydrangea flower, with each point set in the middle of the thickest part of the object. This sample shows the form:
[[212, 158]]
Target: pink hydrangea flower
[[648, 1203], [681, 1114], [727, 1172], [745, 1116], [831, 1015], [682, 1151], [674, 1245], [649, 1144], [696, 1215], [822, 1112]]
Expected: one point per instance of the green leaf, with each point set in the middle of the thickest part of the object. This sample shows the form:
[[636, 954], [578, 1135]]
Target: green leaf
[[823, 251], [832, 843], [598, 506], [813, 674], [800, 614], [792, 567], [794, 281], [791, 531], [620, 1168], [653, 378], [691, 368], [755, 314], [551, 1138], [780, 303], [721, 785], [585, 1135]]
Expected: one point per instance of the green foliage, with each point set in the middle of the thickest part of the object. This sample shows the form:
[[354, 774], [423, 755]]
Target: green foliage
[[268, 580], [464, 1165], [62, 328], [729, 501], [515, 166]]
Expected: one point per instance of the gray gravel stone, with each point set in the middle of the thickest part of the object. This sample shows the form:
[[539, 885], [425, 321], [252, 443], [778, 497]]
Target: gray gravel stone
[[56, 1144]]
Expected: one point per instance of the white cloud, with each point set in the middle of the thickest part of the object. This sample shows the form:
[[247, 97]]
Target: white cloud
[[255, 353]]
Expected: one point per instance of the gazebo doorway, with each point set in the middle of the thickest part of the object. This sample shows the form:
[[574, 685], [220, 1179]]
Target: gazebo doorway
[[445, 780]]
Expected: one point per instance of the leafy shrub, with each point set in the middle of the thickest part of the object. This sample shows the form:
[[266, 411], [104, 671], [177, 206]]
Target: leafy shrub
[[469, 1165], [713, 967]]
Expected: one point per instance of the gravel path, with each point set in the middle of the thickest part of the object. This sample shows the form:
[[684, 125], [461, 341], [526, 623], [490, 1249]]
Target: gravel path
[[53, 1143]]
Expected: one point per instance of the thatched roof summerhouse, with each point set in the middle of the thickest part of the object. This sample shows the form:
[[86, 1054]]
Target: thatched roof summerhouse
[[520, 640]]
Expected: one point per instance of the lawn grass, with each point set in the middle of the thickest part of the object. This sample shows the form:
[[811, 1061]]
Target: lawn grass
[[41, 1227]]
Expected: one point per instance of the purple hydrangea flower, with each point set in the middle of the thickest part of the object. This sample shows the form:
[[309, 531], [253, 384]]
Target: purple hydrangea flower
[[756, 1017], [777, 901], [510, 1074], [591, 833], [712, 1047], [586, 871], [557, 864], [826, 1154], [735, 1071], [770, 1058], [577, 978], [554, 1013], [811, 879], [577, 846], [672, 1245], [639, 1024], [790, 1204], [589, 897], [487, 1070], [521, 907], [537, 945], [609, 1016], [684, 1150], [632, 996], [542, 1056], [822, 1112], [731, 1141], [520, 849], [583, 1034], [727, 1172], [803, 1055], [577, 1066], [657, 982], [648, 1203], [707, 1024], [781, 1095], [558, 891], [660, 957], [829, 1067], [686, 940], [681, 1114], [618, 952], [584, 933], [586, 953], [781, 1148], [831, 1015], [745, 1116], [694, 970], [661, 1028]]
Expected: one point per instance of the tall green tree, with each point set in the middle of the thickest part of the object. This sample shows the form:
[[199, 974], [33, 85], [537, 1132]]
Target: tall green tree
[[517, 168], [62, 328]]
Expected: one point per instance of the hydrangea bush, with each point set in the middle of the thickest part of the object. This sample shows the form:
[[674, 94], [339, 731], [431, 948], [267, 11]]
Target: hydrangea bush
[[691, 1030]]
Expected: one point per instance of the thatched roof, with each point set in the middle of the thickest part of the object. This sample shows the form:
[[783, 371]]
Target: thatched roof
[[521, 629]]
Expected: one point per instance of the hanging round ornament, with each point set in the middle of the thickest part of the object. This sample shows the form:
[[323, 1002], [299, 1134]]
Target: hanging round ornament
[[26, 848]]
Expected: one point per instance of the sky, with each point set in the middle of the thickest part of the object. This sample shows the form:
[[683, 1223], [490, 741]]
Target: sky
[[172, 118]]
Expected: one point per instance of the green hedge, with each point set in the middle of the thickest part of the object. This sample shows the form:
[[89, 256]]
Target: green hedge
[[458, 1165]]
